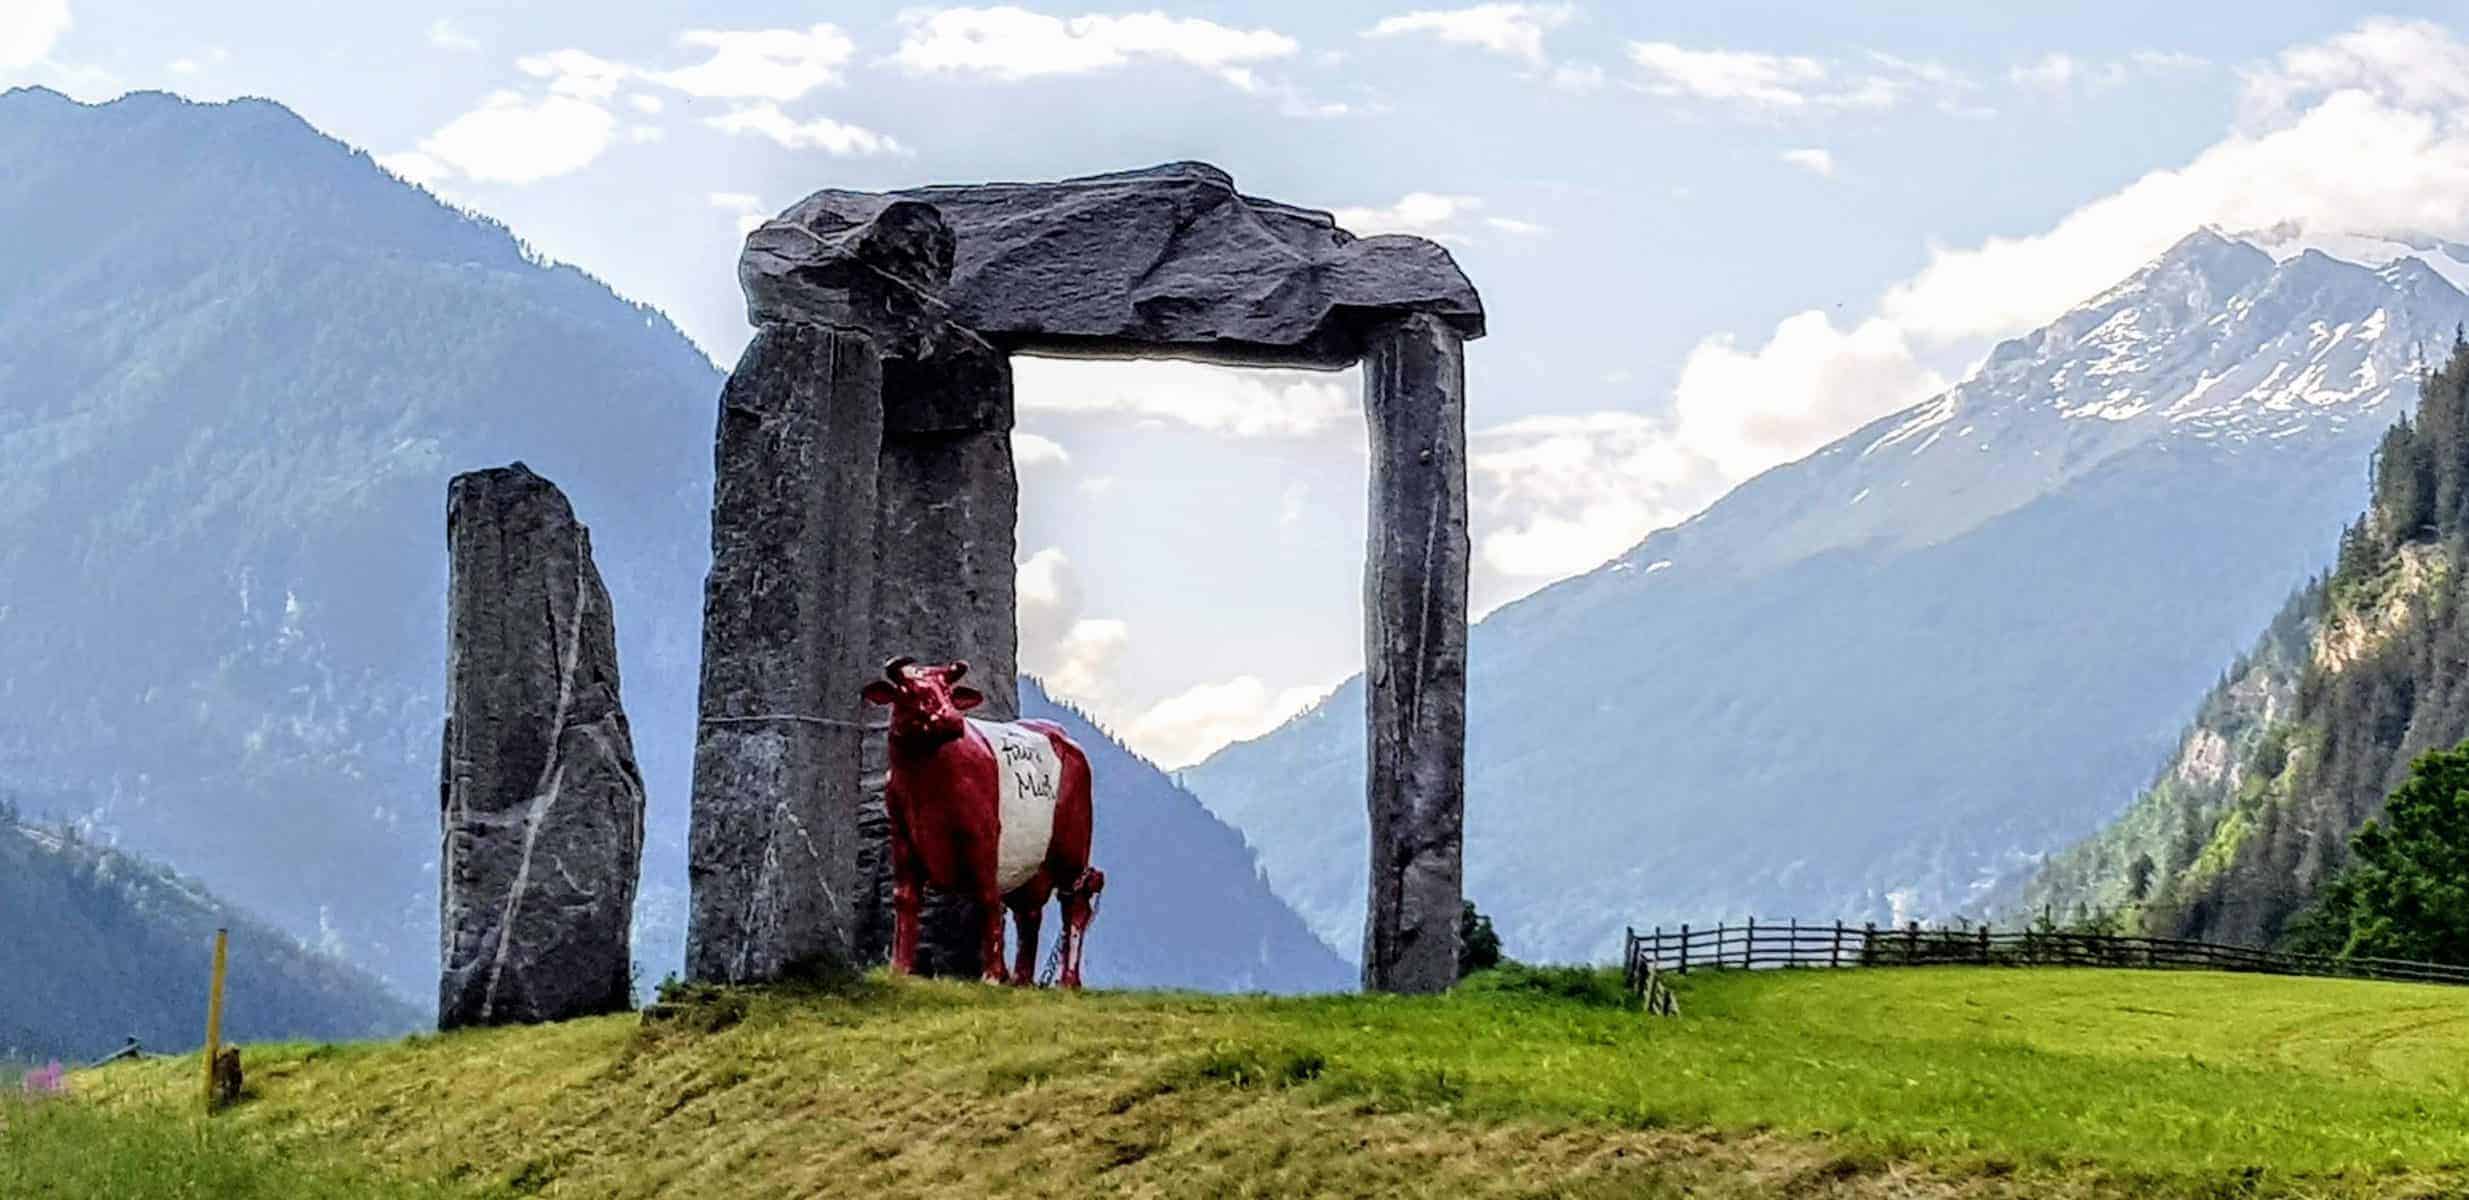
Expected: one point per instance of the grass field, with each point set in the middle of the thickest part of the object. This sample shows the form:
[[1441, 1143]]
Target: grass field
[[1943, 1081]]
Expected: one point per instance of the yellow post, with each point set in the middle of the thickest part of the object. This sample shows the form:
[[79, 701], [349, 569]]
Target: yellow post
[[214, 1011]]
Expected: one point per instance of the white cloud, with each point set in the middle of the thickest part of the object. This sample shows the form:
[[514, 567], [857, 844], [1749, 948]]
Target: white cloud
[[193, 64], [1813, 159], [575, 73], [836, 138], [1556, 495], [746, 207], [1515, 30], [1221, 400], [1578, 77], [2059, 72], [1426, 213], [1012, 43], [1183, 729], [445, 35], [645, 133], [646, 104], [1072, 653], [512, 139], [415, 167], [1031, 451], [761, 64], [1747, 410], [29, 29], [1770, 80], [1772, 84], [2051, 72], [1435, 215]]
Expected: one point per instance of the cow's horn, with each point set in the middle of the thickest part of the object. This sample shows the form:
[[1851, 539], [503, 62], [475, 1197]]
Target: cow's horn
[[959, 667], [892, 669]]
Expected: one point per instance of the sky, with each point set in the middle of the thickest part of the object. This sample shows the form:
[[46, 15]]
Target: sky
[[1710, 237]]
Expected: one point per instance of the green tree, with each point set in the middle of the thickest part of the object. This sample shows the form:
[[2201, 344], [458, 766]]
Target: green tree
[[1478, 948], [2405, 890]]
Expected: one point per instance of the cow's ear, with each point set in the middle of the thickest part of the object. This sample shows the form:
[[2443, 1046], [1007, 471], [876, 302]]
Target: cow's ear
[[880, 692], [966, 698]]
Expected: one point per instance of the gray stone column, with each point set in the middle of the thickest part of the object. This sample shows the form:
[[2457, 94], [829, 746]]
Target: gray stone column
[[540, 806], [772, 856], [1414, 652], [948, 515]]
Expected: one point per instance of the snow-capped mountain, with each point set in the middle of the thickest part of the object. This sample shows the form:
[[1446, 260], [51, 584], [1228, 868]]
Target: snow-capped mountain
[[1865, 684]]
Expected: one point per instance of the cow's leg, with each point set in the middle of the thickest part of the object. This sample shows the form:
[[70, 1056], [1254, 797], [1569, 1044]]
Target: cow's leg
[[1028, 905], [990, 951], [907, 900], [1079, 905]]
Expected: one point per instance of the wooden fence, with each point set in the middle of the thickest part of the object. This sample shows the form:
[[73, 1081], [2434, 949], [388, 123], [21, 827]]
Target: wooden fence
[[1649, 956]]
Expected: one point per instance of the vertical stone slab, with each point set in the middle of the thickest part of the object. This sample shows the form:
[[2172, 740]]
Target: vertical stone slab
[[1414, 652], [945, 576], [540, 804], [772, 853]]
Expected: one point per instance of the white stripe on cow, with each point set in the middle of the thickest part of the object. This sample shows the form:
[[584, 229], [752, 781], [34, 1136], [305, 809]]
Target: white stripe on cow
[[1030, 775]]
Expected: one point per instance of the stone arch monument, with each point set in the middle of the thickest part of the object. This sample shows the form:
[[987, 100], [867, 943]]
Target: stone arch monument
[[865, 505]]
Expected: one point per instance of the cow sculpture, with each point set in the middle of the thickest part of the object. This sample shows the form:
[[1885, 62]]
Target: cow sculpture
[[995, 810]]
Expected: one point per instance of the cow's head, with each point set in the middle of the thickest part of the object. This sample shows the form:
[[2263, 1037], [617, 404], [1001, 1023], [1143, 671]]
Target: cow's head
[[926, 701]]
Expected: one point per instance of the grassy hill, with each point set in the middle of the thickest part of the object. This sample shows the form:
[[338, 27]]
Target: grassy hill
[[1952, 1081]]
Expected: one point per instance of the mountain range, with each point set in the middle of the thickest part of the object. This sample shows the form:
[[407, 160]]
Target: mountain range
[[238, 363], [1880, 682]]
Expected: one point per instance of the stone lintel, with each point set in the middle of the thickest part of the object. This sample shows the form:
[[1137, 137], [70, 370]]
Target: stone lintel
[[1168, 261]]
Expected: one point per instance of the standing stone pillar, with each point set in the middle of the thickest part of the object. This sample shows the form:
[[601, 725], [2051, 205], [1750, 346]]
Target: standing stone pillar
[[788, 624], [540, 804], [772, 854], [1414, 651], [945, 575]]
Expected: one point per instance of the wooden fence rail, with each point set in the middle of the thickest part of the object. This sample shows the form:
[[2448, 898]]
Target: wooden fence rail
[[1648, 956]]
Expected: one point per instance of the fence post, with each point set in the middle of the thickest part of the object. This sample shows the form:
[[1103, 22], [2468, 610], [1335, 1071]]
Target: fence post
[[1791, 948], [1984, 943], [1748, 946], [1911, 944], [1684, 947], [1868, 942], [214, 1012], [1834, 949]]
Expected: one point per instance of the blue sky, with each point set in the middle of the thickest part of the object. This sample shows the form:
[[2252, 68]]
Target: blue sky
[[1711, 237]]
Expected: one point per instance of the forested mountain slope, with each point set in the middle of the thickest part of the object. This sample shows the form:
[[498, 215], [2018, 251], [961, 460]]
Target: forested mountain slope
[[2361, 672], [97, 946]]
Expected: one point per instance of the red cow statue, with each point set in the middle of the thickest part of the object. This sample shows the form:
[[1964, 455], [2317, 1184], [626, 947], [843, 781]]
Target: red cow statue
[[995, 810]]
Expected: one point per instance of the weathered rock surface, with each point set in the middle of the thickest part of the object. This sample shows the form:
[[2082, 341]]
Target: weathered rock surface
[[944, 589], [540, 803], [772, 854], [1169, 259], [1414, 653]]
